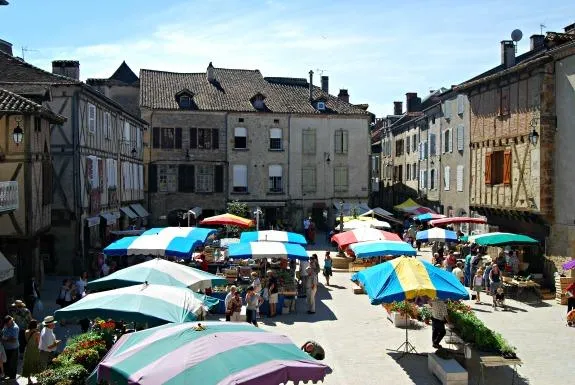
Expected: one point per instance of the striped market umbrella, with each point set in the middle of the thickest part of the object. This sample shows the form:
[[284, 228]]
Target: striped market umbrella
[[382, 249], [406, 278], [412, 207], [151, 304], [272, 236], [502, 239], [158, 272], [362, 235], [428, 217], [255, 250], [227, 219], [363, 223], [436, 235], [450, 220], [210, 353]]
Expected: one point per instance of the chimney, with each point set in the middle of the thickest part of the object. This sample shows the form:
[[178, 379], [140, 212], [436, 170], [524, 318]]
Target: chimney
[[68, 68], [325, 84], [412, 102], [507, 53], [343, 95], [570, 29], [310, 85], [536, 41], [397, 108], [210, 73], [6, 47]]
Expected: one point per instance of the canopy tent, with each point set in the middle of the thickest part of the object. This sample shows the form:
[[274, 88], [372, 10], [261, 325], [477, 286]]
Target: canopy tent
[[147, 303], [365, 234], [227, 219], [428, 216], [406, 278], [210, 353], [255, 250], [501, 239], [363, 223], [158, 272], [272, 236], [382, 248], [412, 207], [436, 234], [381, 214], [226, 242], [450, 220], [195, 232]]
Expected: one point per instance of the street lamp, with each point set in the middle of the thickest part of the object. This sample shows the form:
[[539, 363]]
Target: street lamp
[[534, 137], [134, 152], [257, 214], [18, 133]]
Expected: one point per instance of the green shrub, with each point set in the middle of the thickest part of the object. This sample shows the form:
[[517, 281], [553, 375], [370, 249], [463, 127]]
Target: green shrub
[[88, 358], [63, 375]]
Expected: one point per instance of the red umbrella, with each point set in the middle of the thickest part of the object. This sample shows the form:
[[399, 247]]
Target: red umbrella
[[228, 219], [362, 235], [446, 221]]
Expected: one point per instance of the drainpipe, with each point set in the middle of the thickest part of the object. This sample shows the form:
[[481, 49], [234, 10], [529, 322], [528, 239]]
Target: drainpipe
[[76, 175]]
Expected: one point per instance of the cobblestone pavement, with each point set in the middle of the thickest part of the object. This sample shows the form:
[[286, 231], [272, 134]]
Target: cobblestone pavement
[[356, 336]]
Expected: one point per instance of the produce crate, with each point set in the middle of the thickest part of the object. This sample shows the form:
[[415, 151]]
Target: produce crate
[[561, 284]]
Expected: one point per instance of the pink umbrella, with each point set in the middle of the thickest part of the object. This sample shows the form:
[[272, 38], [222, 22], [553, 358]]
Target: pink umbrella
[[362, 235], [446, 221]]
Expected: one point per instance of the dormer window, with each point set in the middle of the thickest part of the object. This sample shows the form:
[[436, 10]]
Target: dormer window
[[321, 106], [185, 101], [184, 98], [320, 103], [258, 101]]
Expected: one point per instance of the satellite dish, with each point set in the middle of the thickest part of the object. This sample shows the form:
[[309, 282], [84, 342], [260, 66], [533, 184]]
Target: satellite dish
[[516, 35]]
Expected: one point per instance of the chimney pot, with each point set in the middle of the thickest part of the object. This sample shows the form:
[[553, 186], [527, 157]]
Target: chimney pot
[[68, 68], [397, 108], [412, 101], [507, 53], [6, 47], [536, 41], [325, 84], [210, 73], [343, 95]]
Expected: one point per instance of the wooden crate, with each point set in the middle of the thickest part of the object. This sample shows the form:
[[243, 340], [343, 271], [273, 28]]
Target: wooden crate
[[561, 284]]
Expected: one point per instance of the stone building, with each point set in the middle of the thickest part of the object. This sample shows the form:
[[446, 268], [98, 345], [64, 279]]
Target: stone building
[[25, 187], [96, 158]]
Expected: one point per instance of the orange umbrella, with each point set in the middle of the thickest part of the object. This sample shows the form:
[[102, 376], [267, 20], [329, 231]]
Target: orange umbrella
[[228, 219]]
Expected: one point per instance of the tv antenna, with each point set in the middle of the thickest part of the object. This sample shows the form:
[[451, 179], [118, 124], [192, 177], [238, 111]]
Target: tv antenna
[[541, 26], [320, 71], [516, 35], [25, 49]]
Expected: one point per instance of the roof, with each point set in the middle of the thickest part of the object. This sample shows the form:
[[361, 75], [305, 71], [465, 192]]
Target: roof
[[233, 89], [12, 103], [124, 74], [33, 91]]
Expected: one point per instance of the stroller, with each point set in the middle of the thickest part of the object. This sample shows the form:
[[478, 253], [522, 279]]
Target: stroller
[[499, 298]]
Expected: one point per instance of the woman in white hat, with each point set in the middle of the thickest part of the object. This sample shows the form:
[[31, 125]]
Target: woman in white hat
[[48, 342]]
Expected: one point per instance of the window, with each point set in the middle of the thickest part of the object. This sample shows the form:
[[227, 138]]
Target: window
[[341, 137], [167, 138], [447, 141], [240, 138], [185, 101], [432, 140], [37, 124], [111, 173], [498, 167], [204, 138], [460, 104], [308, 141], [107, 125], [460, 178], [320, 106], [240, 178], [414, 171], [167, 178], [413, 143], [408, 172], [425, 149], [460, 137], [186, 179], [275, 138], [205, 179], [126, 134], [446, 178], [408, 144], [432, 179], [447, 109], [308, 181], [504, 101], [91, 118], [275, 178], [399, 147], [423, 179], [340, 179]]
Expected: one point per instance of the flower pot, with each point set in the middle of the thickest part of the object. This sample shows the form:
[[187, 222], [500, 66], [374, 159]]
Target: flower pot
[[399, 320]]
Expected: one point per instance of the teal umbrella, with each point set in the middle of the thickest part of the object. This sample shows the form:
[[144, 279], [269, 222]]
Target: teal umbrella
[[151, 304], [159, 272], [502, 239]]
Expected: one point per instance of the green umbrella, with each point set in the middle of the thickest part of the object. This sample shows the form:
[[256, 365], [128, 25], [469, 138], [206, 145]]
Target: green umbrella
[[502, 239], [151, 304], [160, 272]]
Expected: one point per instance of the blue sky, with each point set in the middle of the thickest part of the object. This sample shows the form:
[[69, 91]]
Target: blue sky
[[378, 50]]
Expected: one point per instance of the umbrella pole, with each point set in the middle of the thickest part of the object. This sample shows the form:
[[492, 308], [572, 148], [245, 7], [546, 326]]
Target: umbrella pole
[[406, 347]]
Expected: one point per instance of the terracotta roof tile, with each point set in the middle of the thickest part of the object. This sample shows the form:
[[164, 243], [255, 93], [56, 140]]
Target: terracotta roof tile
[[13, 103]]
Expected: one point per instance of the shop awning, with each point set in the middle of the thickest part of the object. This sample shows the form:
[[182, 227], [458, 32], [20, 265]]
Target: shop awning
[[128, 212], [109, 217], [6, 268], [140, 210], [93, 221]]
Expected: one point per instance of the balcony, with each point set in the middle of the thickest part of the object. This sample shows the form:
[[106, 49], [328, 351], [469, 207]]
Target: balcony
[[8, 196]]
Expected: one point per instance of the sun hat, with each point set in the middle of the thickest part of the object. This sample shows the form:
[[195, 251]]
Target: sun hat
[[18, 303], [49, 320]]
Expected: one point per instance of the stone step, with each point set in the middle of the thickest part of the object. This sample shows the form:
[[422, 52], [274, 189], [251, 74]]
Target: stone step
[[448, 372]]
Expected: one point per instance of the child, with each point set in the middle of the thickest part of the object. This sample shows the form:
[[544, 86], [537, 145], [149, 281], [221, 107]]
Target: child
[[499, 298], [478, 284]]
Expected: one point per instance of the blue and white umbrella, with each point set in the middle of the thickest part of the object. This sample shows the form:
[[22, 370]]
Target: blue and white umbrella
[[168, 242], [382, 248], [255, 250], [272, 236], [436, 234]]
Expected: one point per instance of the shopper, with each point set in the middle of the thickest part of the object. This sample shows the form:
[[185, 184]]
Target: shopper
[[11, 345], [439, 318], [311, 290], [48, 342], [327, 267], [253, 302]]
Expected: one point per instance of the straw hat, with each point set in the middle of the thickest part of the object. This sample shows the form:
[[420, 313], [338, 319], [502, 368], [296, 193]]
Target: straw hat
[[49, 320], [18, 303]]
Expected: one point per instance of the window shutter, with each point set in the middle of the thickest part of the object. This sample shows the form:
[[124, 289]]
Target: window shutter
[[488, 168], [450, 142], [425, 149], [156, 137], [178, 139], [219, 178], [460, 104], [215, 138], [460, 178], [432, 144], [193, 137], [344, 137], [507, 167], [420, 152], [446, 177], [338, 141], [460, 136]]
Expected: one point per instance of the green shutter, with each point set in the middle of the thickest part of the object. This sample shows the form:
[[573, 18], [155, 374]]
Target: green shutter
[[219, 179]]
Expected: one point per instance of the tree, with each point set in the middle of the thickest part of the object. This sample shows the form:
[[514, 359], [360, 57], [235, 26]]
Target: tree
[[240, 209]]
